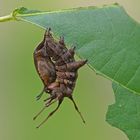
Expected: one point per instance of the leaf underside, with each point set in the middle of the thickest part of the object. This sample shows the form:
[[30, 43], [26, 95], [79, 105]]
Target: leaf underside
[[125, 113], [106, 36], [110, 40]]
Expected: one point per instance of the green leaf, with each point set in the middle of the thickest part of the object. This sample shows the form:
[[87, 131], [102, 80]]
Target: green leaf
[[110, 39], [106, 36], [125, 113]]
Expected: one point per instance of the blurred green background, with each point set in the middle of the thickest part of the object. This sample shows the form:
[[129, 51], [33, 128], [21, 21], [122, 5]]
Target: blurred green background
[[19, 83]]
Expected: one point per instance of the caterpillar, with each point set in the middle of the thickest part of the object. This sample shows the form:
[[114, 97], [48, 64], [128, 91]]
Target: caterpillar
[[58, 70]]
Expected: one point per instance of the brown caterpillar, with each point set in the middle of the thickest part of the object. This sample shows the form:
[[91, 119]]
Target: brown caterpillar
[[57, 69]]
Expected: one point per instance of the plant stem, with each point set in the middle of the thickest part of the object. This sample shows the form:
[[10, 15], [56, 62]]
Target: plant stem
[[7, 18]]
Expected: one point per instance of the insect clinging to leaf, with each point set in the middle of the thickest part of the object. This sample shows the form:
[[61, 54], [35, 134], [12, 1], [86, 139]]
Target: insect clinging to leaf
[[58, 71]]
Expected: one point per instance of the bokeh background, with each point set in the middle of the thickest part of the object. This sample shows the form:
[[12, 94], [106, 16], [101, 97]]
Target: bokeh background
[[19, 83]]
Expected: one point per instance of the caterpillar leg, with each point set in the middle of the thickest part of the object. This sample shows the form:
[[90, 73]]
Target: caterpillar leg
[[50, 102], [52, 99], [40, 95], [59, 103], [76, 107], [45, 89]]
